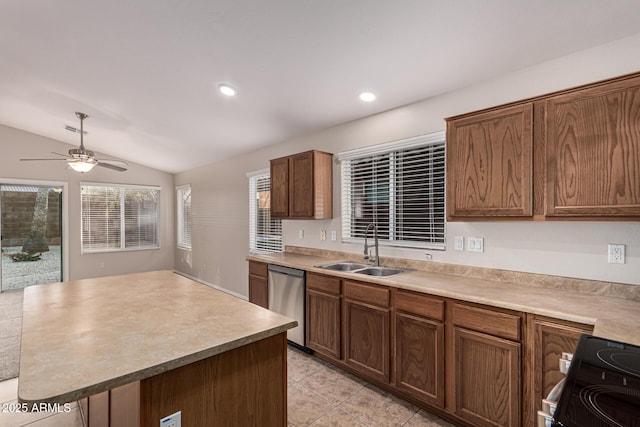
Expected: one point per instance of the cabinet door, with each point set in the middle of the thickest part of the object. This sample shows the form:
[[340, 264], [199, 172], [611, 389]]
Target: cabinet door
[[490, 164], [279, 187], [593, 152], [367, 339], [487, 379], [259, 291], [301, 186], [124, 405], [323, 323], [551, 340], [99, 410], [419, 348]]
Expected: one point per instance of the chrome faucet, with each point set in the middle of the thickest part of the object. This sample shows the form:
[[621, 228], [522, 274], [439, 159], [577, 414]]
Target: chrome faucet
[[376, 260]]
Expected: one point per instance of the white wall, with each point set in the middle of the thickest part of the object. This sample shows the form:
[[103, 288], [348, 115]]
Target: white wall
[[16, 144], [573, 249]]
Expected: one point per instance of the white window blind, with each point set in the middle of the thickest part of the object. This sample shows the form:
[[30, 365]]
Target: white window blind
[[265, 233], [184, 217], [398, 186], [118, 218]]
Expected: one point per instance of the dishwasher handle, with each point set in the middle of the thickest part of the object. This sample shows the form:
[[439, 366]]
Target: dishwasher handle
[[286, 270]]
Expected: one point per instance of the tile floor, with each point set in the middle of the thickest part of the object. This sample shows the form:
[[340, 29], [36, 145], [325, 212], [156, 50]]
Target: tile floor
[[319, 395]]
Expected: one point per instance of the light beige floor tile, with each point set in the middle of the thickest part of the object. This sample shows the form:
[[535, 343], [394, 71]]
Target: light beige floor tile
[[300, 365], [304, 406], [425, 419], [375, 407], [16, 419], [337, 418], [8, 390], [333, 384], [68, 419]]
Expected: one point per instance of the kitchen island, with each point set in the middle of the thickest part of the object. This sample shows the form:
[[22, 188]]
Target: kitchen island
[[167, 342]]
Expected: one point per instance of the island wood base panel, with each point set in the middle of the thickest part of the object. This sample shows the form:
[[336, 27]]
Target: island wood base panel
[[246, 386]]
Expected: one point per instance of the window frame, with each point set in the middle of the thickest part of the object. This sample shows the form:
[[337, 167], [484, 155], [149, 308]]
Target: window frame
[[123, 188], [391, 149], [180, 218], [253, 214]]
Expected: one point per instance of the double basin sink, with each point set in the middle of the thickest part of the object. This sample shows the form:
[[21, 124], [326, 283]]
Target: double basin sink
[[359, 268]]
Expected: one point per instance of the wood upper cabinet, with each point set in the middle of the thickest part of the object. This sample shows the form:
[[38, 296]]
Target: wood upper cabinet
[[490, 164], [323, 315], [593, 151], [484, 358], [366, 329], [258, 284], [419, 346], [302, 186]]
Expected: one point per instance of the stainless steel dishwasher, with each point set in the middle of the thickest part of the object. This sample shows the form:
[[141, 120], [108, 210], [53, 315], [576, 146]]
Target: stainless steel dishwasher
[[287, 297]]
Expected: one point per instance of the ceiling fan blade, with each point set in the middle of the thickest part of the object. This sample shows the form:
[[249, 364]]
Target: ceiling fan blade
[[120, 163], [110, 166], [28, 160]]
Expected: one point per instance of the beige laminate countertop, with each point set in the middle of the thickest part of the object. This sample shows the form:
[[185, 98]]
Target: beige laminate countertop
[[613, 318], [83, 337]]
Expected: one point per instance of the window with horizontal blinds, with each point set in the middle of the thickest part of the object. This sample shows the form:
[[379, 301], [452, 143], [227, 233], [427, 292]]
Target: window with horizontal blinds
[[118, 218], [398, 186], [265, 233], [184, 217]]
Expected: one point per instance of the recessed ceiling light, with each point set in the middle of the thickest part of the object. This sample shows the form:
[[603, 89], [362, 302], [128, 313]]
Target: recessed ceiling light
[[226, 89], [367, 96]]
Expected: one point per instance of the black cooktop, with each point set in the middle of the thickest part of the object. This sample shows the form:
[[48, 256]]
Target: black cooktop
[[602, 387]]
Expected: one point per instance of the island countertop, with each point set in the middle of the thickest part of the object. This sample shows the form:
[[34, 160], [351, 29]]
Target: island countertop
[[83, 337]]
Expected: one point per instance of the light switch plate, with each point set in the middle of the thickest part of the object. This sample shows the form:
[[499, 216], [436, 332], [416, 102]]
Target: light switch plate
[[459, 243], [475, 244], [301, 234], [334, 235]]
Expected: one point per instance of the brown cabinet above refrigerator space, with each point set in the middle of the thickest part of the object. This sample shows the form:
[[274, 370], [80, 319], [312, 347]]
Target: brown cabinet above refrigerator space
[[302, 186]]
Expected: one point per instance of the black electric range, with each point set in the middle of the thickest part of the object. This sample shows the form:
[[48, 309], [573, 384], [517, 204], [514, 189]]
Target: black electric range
[[602, 388]]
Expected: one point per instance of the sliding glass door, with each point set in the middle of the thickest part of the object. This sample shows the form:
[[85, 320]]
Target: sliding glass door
[[31, 229]]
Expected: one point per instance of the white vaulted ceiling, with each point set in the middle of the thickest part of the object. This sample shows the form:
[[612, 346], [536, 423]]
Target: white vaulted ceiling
[[146, 71]]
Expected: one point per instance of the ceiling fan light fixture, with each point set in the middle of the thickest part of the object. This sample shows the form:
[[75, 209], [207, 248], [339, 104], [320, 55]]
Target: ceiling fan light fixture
[[83, 165]]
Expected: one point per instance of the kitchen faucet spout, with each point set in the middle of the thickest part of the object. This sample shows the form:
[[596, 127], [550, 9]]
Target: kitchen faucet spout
[[376, 260]]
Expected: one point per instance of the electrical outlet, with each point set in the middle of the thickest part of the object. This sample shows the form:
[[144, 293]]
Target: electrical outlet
[[459, 243], [101, 264], [475, 244], [301, 234], [323, 235], [173, 420], [334, 235], [616, 254]]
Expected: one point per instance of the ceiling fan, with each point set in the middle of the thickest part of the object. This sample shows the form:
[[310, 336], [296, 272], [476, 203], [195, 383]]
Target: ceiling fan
[[83, 160]]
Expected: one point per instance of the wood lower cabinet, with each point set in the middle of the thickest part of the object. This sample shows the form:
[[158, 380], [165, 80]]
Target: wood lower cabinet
[[324, 315], [258, 284], [490, 164], [548, 339], [302, 186], [593, 151], [484, 357], [419, 346], [487, 378], [366, 329]]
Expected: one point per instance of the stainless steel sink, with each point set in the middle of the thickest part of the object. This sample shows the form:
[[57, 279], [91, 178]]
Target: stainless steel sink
[[379, 271], [343, 266], [359, 268]]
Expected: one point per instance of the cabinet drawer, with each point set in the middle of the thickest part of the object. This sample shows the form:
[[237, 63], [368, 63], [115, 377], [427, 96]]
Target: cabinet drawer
[[372, 294], [491, 322], [422, 305], [258, 268], [326, 284]]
